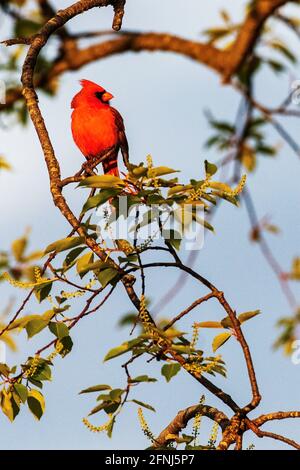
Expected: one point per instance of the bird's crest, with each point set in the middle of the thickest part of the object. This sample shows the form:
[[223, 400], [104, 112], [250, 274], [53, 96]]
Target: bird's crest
[[88, 84], [88, 88]]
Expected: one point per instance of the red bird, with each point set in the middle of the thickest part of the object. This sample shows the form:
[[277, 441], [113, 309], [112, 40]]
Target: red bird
[[97, 127]]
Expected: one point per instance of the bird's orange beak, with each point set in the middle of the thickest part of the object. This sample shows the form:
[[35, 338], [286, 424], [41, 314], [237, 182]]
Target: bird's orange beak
[[107, 97]]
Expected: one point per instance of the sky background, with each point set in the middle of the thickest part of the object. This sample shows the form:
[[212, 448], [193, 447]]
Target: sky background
[[162, 98]]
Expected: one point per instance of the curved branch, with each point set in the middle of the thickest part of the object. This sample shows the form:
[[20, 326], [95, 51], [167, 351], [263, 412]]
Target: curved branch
[[36, 116], [184, 416], [225, 62], [274, 416], [256, 397], [278, 437]]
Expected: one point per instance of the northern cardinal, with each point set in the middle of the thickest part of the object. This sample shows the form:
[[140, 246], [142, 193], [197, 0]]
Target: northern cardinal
[[97, 127]]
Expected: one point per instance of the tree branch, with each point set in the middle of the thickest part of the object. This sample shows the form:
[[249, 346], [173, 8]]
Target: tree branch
[[225, 62], [184, 416], [274, 416]]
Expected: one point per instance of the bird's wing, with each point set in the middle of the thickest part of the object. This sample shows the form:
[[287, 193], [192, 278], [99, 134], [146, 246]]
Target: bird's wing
[[121, 136]]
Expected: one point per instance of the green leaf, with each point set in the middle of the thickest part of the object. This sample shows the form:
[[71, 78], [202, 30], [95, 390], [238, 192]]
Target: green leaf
[[83, 262], [59, 329], [209, 324], [145, 405], [42, 291], [108, 406], [143, 378], [128, 319], [99, 199], [36, 403], [115, 395], [95, 388], [64, 244], [4, 369], [222, 126], [72, 255], [266, 150], [43, 372], [111, 407], [210, 168], [103, 397], [98, 408], [64, 345], [37, 383], [111, 426], [226, 322], [177, 189], [203, 222], [160, 171], [122, 349], [170, 370], [182, 349], [139, 171], [103, 181], [8, 405], [248, 315], [219, 340], [106, 276], [35, 326]]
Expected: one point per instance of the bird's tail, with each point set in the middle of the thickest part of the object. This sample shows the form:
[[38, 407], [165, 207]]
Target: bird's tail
[[110, 167]]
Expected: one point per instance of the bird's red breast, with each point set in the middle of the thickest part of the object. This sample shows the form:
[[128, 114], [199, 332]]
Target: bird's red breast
[[94, 125]]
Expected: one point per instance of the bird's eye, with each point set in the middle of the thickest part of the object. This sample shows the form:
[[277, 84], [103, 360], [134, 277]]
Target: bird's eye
[[99, 95]]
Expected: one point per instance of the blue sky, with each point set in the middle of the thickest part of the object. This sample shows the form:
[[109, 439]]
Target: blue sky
[[162, 98]]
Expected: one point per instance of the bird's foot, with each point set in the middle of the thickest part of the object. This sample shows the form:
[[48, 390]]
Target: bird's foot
[[89, 167]]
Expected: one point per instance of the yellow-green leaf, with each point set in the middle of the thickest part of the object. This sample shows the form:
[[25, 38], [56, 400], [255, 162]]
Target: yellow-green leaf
[[248, 315], [106, 276], [170, 370], [59, 329], [210, 168], [22, 391], [35, 326], [220, 186], [160, 171], [209, 324], [64, 244], [219, 340], [145, 405], [95, 388], [102, 181], [8, 405], [83, 261], [226, 322], [99, 199], [122, 349], [36, 403]]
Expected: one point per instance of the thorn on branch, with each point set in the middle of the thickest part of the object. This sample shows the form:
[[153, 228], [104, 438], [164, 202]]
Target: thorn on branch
[[16, 41], [119, 13]]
